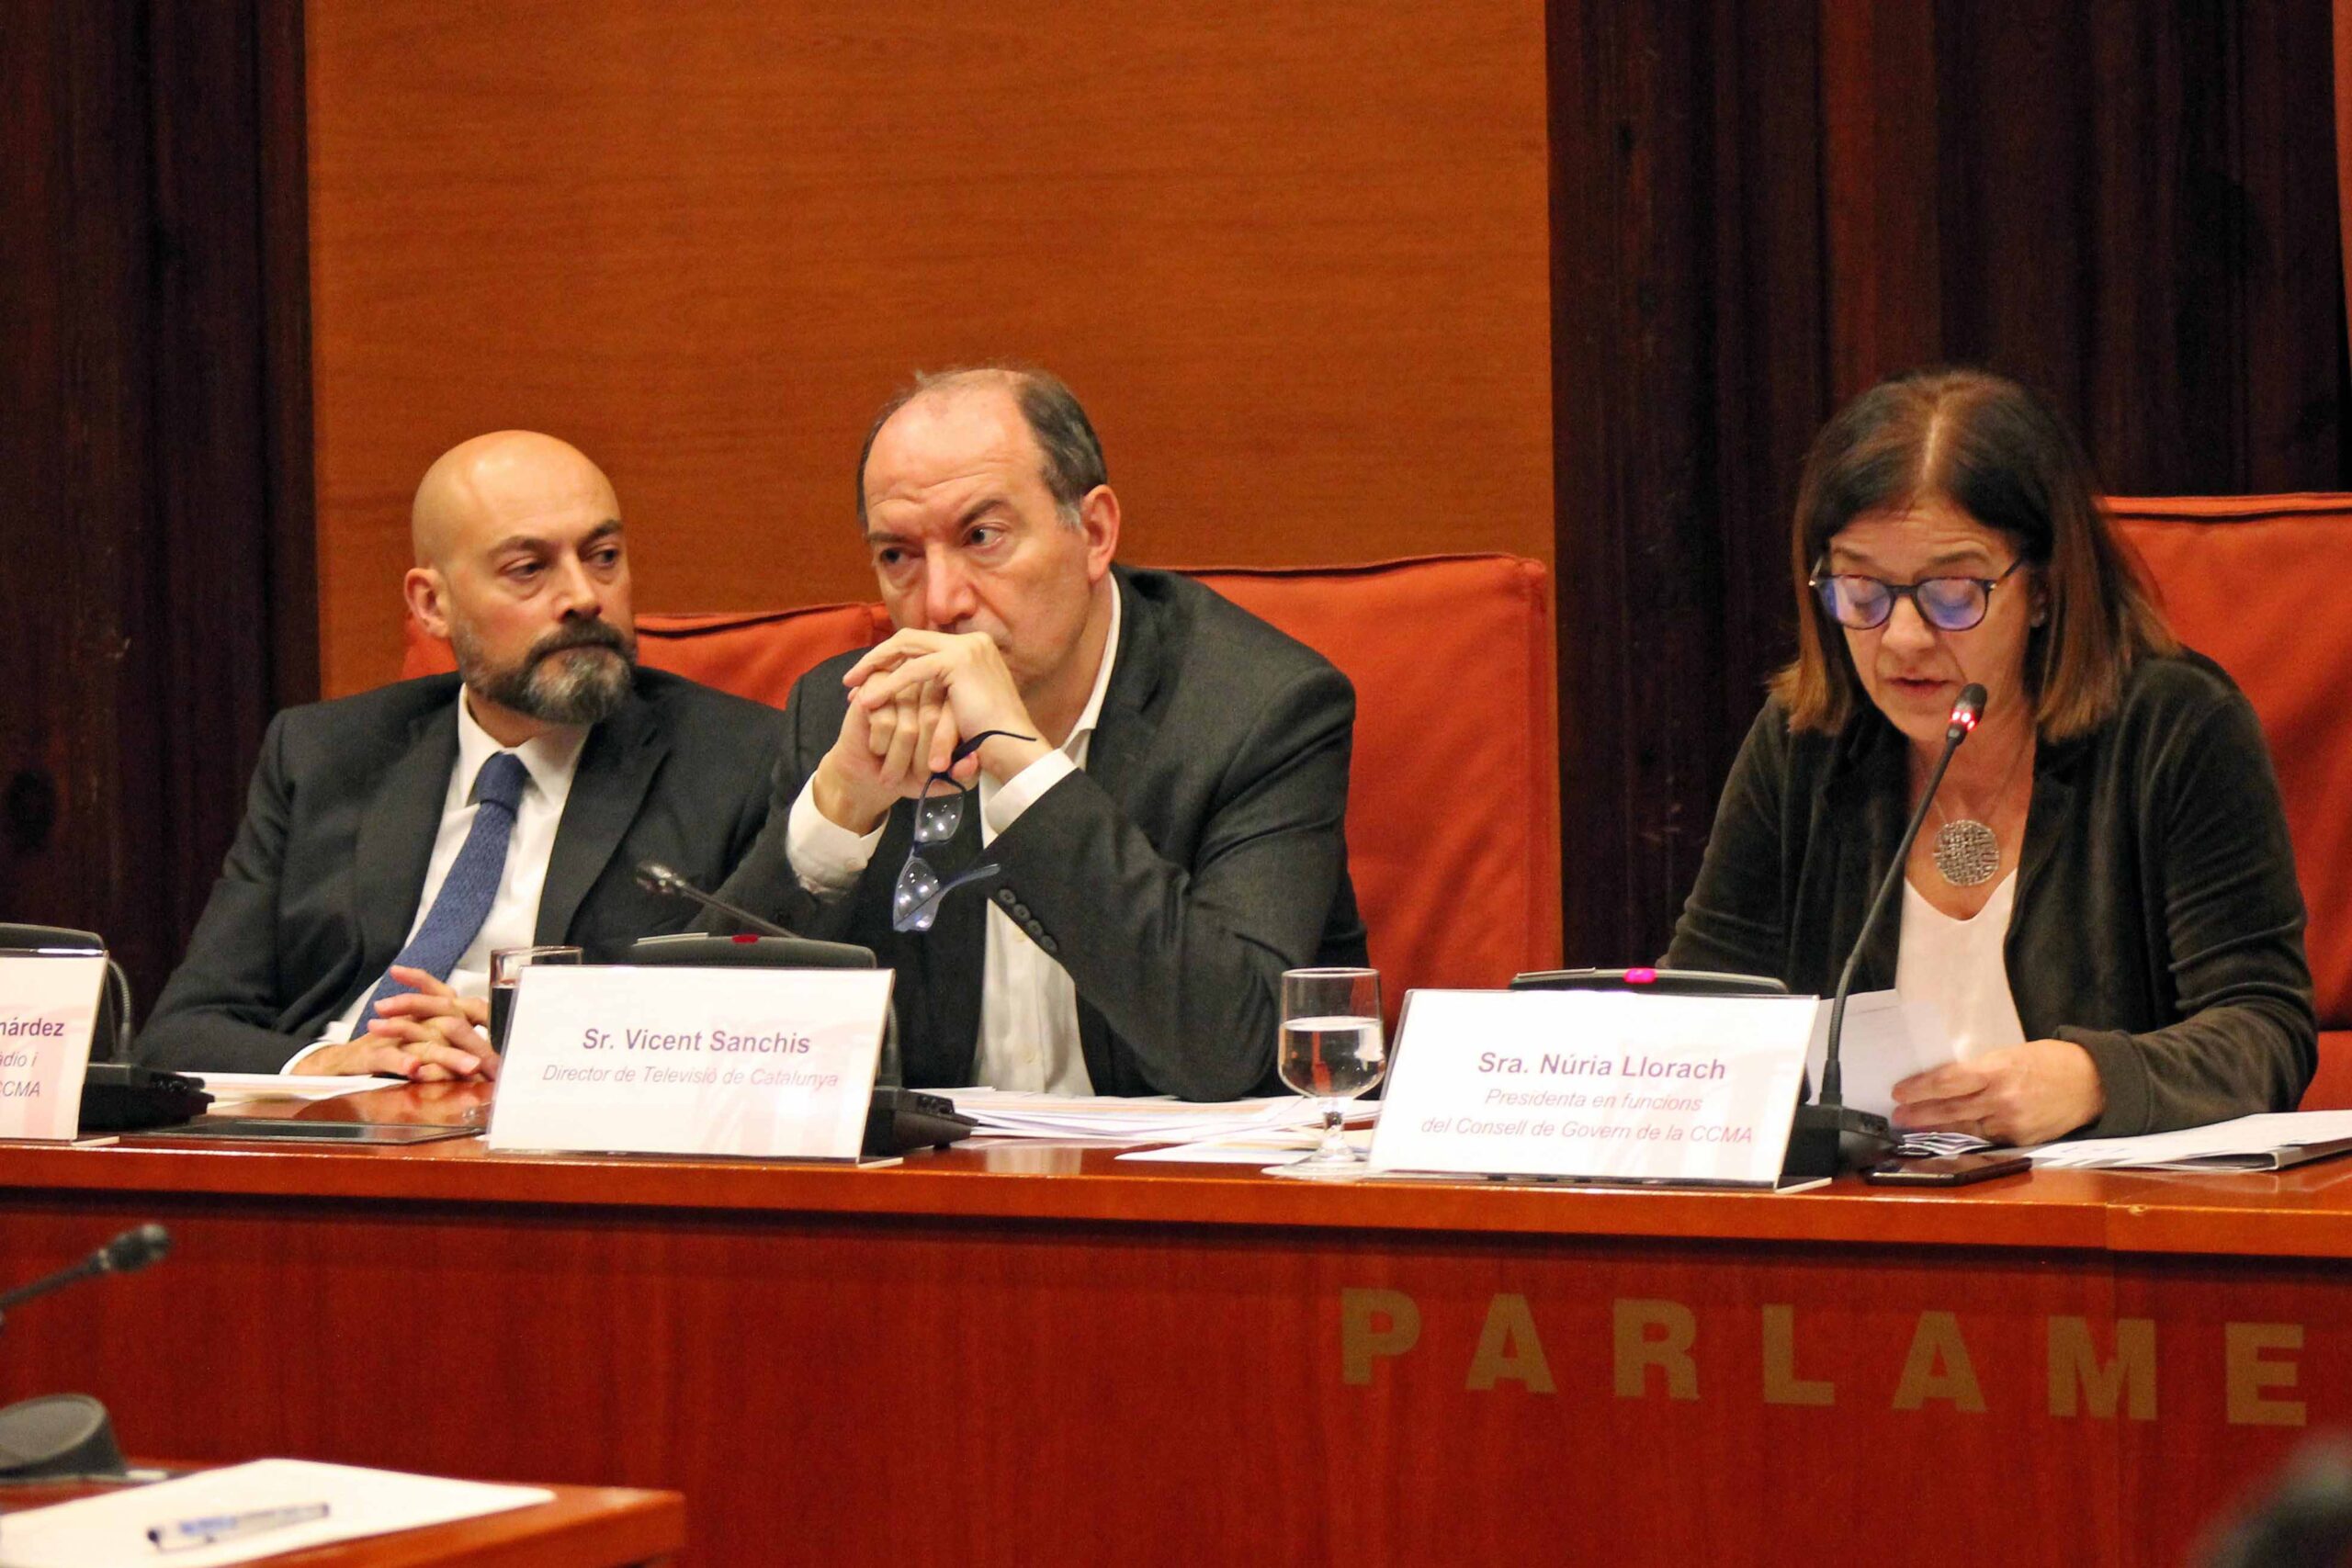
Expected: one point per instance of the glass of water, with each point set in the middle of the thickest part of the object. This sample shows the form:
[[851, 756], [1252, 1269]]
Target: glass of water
[[506, 966], [1330, 1049]]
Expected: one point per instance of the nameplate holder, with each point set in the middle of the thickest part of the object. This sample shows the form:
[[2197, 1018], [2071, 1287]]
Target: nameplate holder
[[768, 1064], [1595, 1085], [49, 1013]]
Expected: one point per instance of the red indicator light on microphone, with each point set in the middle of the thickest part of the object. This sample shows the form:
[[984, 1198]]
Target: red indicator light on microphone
[[1965, 717], [1641, 977], [744, 936]]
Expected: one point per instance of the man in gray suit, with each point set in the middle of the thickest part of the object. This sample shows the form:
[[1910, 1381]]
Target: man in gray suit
[[393, 839], [1157, 778]]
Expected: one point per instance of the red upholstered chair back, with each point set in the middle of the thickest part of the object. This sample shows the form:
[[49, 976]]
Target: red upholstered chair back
[[1454, 807], [1453, 803], [2255, 583]]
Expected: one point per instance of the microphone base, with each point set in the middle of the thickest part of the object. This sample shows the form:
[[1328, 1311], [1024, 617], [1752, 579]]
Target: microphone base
[[56, 1435], [1828, 1140]]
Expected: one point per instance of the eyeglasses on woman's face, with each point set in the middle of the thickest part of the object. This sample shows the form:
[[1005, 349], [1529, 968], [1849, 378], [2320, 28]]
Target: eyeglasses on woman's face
[[1947, 604]]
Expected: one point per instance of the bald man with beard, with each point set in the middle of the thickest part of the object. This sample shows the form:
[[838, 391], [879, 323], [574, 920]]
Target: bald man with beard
[[338, 939]]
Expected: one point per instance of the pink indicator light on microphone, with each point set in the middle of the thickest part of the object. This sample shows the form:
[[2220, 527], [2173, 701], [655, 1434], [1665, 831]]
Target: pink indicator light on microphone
[[1965, 717], [1640, 977]]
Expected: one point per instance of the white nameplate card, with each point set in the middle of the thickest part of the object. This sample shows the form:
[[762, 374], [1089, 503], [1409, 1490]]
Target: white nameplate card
[[49, 1010], [765, 1063], [1595, 1085]]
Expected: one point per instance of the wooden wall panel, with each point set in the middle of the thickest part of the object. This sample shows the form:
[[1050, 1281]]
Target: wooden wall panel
[[1292, 257], [150, 326]]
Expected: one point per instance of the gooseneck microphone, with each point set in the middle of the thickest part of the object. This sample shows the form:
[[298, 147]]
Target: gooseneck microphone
[[1830, 1136], [655, 877], [61, 1435], [126, 1254]]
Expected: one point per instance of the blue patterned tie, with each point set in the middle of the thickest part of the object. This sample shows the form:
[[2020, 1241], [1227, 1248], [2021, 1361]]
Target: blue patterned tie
[[471, 887]]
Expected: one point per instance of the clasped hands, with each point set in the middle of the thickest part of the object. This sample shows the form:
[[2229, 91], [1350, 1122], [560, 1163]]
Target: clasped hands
[[428, 1034], [2018, 1095], [912, 698]]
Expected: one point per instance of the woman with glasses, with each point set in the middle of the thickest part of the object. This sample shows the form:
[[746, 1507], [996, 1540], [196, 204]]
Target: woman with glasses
[[2102, 903]]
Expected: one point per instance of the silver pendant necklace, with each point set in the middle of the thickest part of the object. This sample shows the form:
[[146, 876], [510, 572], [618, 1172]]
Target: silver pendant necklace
[[1966, 852]]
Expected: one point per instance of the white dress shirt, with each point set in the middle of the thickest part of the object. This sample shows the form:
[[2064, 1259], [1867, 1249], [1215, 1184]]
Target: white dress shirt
[[1958, 965], [549, 762], [1028, 1002]]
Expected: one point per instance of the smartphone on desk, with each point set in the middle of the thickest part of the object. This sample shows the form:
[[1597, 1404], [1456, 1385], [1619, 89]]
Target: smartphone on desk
[[1947, 1170]]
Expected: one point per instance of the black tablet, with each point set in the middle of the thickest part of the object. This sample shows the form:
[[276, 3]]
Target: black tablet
[[287, 1129]]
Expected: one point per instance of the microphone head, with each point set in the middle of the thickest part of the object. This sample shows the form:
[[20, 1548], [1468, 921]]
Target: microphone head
[[655, 877], [134, 1249], [1966, 712]]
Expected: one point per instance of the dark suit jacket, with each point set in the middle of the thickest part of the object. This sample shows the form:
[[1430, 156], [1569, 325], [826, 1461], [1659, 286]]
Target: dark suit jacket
[[1199, 854], [2157, 924], [320, 888]]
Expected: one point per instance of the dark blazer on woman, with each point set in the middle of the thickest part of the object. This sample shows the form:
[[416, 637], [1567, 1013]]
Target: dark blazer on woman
[[2157, 922]]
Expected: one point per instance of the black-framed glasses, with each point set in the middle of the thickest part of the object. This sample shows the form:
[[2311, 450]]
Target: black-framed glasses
[[914, 902], [1947, 604]]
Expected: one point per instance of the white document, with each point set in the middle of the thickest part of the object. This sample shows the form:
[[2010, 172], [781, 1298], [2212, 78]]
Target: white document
[[1278, 1147], [756, 1063], [1138, 1119], [1885, 1041], [1596, 1086], [227, 1087], [112, 1527], [2269, 1141]]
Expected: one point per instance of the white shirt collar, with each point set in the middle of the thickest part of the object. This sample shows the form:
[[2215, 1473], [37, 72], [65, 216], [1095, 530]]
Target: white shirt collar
[[1080, 733], [551, 757]]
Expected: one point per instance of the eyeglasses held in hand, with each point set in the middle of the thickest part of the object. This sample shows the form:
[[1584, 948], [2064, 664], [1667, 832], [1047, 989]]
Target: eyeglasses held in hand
[[914, 902], [1947, 604]]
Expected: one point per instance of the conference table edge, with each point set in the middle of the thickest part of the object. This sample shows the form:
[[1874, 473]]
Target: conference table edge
[[2047, 1211]]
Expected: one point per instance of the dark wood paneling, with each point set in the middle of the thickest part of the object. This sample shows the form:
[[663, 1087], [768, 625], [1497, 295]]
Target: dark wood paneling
[[293, 609], [80, 502], [138, 547], [1760, 210], [1689, 350]]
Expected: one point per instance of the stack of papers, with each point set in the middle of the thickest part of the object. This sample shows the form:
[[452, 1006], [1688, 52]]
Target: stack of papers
[[2270, 1141], [1156, 1119], [226, 1087], [234, 1505], [1278, 1146], [1938, 1146]]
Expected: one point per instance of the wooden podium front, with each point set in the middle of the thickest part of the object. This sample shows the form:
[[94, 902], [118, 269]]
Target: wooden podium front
[[1023, 1353]]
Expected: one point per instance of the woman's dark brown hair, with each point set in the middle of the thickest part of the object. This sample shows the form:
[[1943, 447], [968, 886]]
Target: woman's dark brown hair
[[1995, 451]]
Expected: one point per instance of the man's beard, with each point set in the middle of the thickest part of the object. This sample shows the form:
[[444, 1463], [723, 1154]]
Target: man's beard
[[552, 683]]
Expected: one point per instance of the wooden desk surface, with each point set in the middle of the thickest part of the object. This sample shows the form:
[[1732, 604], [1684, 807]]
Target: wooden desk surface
[[582, 1526], [1018, 1352], [2302, 1212]]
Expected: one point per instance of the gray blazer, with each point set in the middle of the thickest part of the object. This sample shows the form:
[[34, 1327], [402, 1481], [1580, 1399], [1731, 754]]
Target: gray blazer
[[2157, 924], [1200, 854], [320, 888]]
